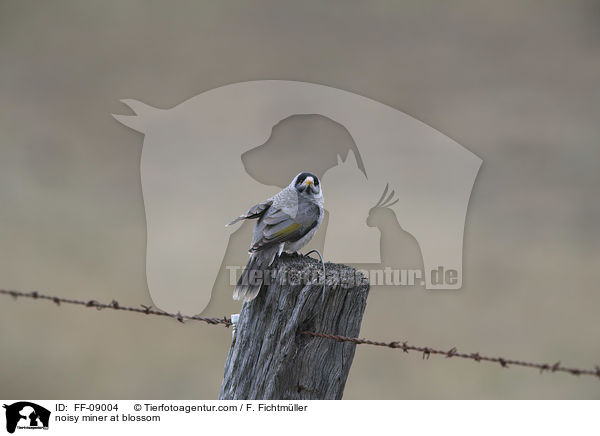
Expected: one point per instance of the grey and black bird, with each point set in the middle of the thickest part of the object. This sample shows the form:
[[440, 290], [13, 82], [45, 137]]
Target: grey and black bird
[[286, 222]]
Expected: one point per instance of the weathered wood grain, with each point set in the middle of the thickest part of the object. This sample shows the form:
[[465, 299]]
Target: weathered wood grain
[[270, 359]]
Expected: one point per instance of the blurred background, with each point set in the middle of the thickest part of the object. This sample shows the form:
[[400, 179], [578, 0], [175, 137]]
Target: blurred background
[[515, 82]]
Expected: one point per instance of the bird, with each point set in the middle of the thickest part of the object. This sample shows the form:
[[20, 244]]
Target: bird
[[286, 222]]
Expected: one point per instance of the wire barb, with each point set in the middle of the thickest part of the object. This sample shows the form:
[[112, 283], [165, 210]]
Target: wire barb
[[324, 274]]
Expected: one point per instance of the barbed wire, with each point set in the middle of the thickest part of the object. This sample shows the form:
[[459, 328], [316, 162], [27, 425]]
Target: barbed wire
[[453, 352], [399, 345], [114, 304]]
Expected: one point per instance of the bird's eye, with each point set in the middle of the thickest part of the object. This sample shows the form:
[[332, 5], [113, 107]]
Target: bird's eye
[[316, 182]]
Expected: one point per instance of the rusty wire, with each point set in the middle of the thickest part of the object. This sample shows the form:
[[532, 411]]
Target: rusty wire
[[146, 310], [399, 345], [453, 352]]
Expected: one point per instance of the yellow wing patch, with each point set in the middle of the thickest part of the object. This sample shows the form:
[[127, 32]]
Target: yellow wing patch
[[288, 230]]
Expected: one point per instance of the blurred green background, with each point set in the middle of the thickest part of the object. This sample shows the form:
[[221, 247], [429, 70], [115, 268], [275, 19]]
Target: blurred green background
[[516, 82]]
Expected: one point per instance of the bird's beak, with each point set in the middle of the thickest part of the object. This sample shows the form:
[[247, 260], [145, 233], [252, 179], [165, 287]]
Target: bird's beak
[[309, 181]]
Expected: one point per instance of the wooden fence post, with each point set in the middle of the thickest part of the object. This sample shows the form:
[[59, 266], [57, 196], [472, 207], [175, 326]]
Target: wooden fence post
[[270, 359]]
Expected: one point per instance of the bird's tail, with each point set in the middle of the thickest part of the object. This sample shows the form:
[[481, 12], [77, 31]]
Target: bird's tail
[[252, 278]]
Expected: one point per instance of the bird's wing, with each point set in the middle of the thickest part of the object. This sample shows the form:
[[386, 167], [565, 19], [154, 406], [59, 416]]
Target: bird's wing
[[255, 211], [276, 226]]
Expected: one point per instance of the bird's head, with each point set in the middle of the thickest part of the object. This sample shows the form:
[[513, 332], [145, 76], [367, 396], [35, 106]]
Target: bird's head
[[307, 183]]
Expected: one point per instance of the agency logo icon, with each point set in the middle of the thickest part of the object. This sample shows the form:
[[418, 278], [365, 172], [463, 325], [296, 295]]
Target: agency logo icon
[[24, 415], [198, 172]]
